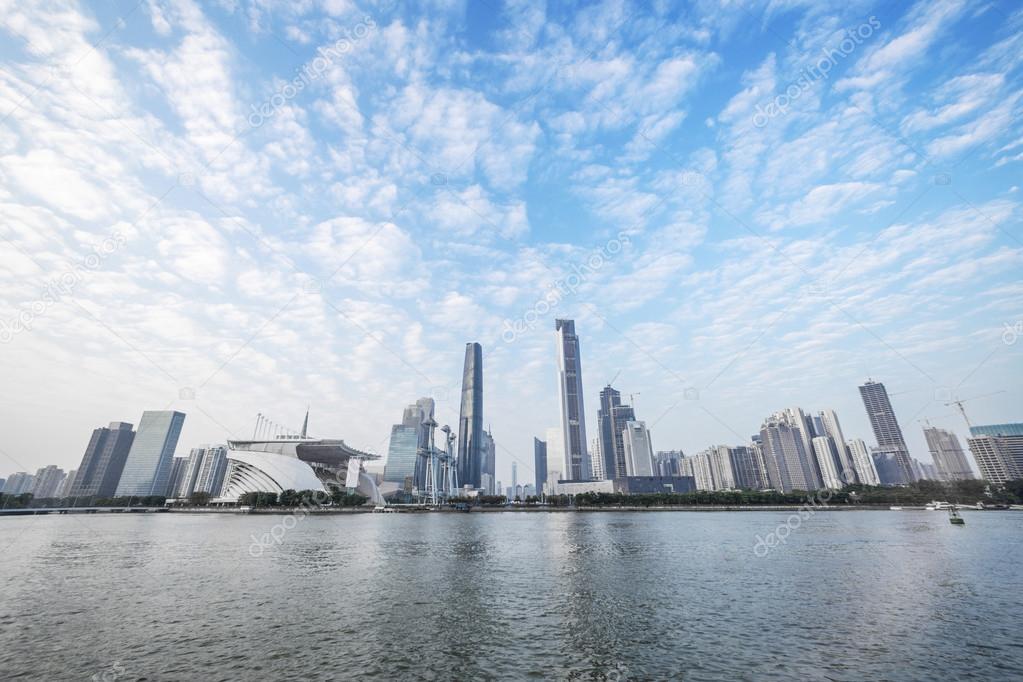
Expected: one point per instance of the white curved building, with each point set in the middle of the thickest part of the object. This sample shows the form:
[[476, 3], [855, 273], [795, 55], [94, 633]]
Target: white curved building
[[295, 463]]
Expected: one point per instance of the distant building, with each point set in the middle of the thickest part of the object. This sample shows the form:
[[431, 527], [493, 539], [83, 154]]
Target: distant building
[[103, 461], [555, 457], [18, 483], [639, 452], [470, 419], [2, 482], [889, 467], [629, 485], [178, 467], [668, 462], [612, 418], [47, 481], [213, 471], [866, 472], [788, 463], [998, 449], [886, 429], [573, 416], [65, 487], [748, 468], [833, 430], [539, 464], [410, 442], [947, 454], [148, 467], [489, 462], [824, 449]]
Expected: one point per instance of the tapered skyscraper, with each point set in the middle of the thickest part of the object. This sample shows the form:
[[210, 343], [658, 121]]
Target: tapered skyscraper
[[148, 467], [886, 427], [470, 419], [573, 420]]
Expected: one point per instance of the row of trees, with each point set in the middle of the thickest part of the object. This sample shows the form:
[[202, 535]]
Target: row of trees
[[29, 501], [303, 498]]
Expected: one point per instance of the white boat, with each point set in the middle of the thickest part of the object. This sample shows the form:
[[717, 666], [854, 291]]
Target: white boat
[[895, 508]]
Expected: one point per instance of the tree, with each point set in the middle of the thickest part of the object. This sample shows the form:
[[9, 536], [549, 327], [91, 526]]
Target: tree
[[199, 499]]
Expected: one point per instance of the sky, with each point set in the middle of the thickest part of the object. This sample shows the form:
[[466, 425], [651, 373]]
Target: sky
[[246, 206]]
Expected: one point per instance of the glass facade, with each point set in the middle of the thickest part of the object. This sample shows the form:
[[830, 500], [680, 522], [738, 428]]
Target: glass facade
[[148, 469]]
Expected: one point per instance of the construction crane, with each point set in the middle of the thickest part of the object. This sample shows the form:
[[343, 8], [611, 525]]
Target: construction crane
[[959, 405]]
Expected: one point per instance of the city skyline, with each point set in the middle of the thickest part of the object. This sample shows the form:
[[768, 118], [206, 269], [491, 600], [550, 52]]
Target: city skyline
[[643, 170]]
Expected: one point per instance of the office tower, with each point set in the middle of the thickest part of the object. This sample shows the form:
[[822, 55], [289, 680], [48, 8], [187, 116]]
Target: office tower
[[787, 461], [924, 471], [833, 430], [489, 461], [827, 457], [889, 469], [555, 457], [596, 460], [998, 450], [573, 416], [539, 464], [470, 419], [528, 490], [178, 467], [639, 451], [103, 461], [668, 462], [612, 417], [747, 468], [948, 456], [148, 467], [886, 427], [402, 457], [65, 486], [515, 475], [18, 483], [47, 481], [699, 467], [866, 472]]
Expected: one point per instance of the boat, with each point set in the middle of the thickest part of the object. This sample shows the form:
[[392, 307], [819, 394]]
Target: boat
[[895, 508], [936, 506], [954, 518]]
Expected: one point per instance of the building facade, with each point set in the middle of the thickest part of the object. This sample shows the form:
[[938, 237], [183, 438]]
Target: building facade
[[148, 467], [470, 419], [639, 451], [103, 461], [866, 472], [48, 481], [998, 450], [949, 459], [539, 465], [886, 428], [573, 415]]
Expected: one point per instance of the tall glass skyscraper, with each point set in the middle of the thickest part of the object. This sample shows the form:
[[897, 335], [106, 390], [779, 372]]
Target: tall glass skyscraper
[[612, 418], [103, 461], [409, 446], [886, 427], [573, 416], [470, 419], [148, 468], [539, 464]]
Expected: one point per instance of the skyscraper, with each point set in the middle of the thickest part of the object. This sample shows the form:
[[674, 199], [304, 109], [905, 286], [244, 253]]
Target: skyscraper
[[555, 456], [47, 481], [833, 430], [787, 461], [489, 469], [573, 417], [178, 467], [611, 420], [948, 456], [886, 427], [409, 446], [866, 472], [539, 464], [470, 419], [148, 467], [214, 467], [103, 461], [998, 449], [639, 451], [65, 487], [18, 483]]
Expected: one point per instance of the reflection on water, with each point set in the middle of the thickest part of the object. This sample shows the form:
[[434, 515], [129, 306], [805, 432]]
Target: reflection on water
[[520, 595]]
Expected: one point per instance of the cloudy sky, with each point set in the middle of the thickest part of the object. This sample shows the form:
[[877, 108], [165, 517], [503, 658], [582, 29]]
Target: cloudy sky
[[246, 206]]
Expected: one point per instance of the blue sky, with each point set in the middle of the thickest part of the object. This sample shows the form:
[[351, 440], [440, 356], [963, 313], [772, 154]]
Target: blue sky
[[253, 206]]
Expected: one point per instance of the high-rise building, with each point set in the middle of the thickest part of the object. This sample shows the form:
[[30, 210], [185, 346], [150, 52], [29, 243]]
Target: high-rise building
[[555, 457], [65, 487], [825, 451], [668, 462], [886, 427], [612, 417], [639, 451], [148, 467], [573, 415], [998, 450], [804, 427], [103, 461], [748, 468], [47, 481], [489, 462], [18, 483], [515, 475], [889, 469], [409, 447], [866, 472], [833, 430], [470, 419], [539, 464], [787, 461], [178, 467], [949, 458], [214, 468]]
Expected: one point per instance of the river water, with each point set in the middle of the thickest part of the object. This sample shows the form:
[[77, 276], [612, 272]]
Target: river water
[[592, 596]]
